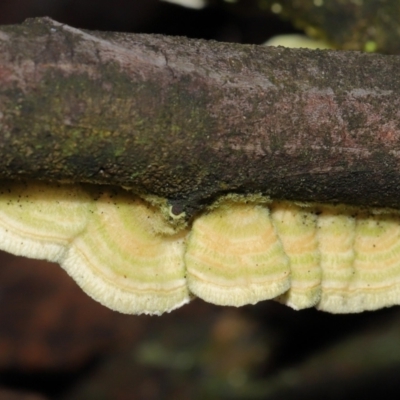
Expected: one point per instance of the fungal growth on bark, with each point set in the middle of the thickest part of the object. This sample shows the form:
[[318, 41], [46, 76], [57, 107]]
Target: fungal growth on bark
[[125, 253], [189, 168]]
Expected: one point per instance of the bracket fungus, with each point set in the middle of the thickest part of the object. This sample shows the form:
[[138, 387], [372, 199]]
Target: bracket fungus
[[128, 255], [236, 162]]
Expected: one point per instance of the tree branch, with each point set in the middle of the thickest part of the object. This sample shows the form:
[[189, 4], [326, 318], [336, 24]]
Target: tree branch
[[189, 120]]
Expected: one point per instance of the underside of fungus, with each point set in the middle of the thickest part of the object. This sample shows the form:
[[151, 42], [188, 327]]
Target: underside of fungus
[[127, 254]]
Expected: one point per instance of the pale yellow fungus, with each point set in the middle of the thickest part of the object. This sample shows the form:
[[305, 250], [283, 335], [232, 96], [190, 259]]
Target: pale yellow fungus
[[125, 260], [234, 257], [112, 243], [376, 280], [297, 230], [336, 234], [39, 220], [295, 40], [131, 256]]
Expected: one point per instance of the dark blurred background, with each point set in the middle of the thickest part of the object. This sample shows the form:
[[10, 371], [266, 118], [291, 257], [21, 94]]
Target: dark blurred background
[[239, 21], [56, 343]]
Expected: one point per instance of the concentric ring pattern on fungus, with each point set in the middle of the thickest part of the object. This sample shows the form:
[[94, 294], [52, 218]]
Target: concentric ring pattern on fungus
[[127, 255]]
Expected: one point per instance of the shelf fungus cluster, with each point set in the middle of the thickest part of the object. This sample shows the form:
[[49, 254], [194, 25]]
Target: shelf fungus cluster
[[127, 254]]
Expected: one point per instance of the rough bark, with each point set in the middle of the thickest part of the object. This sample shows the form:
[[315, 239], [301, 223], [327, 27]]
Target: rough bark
[[189, 120]]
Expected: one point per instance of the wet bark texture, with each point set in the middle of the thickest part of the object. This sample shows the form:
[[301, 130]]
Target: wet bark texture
[[189, 120]]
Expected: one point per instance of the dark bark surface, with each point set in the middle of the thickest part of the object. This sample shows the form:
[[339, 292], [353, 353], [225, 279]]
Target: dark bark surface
[[189, 120]]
